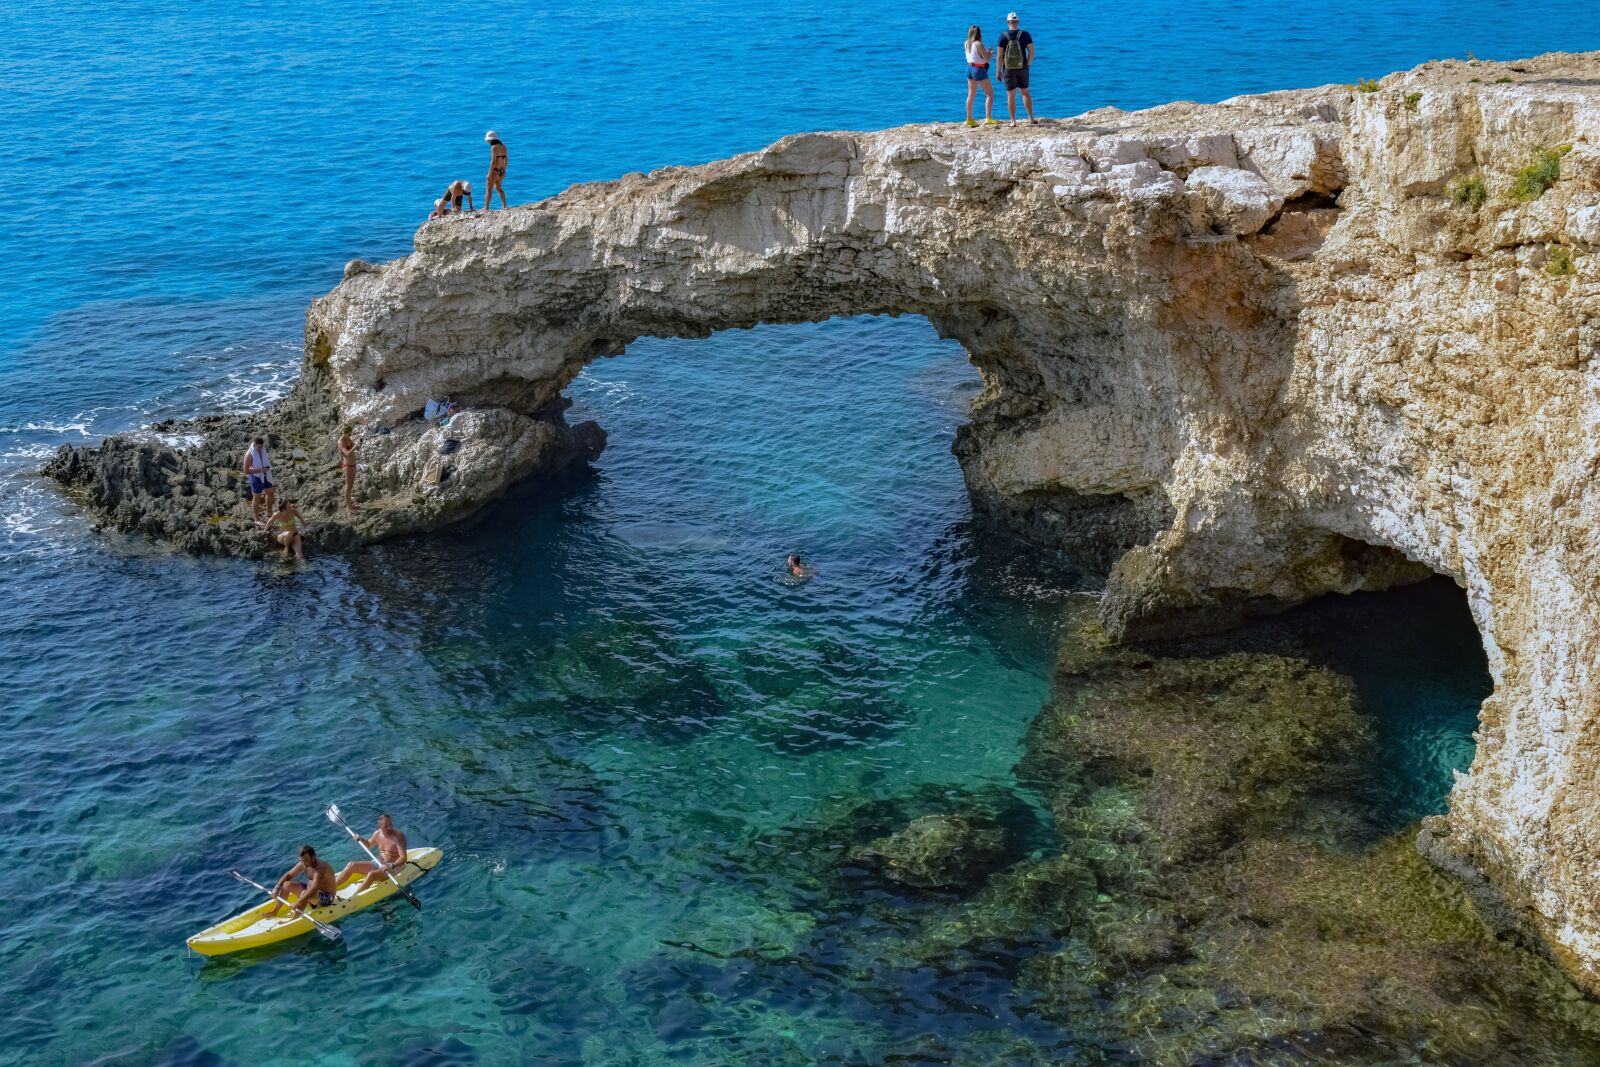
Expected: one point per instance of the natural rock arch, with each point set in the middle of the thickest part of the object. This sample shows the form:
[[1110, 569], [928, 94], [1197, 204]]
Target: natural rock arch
[[1187, 342]]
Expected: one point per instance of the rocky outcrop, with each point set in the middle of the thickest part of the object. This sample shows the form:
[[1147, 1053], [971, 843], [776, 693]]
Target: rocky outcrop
[[1251, 352], [180, 481]]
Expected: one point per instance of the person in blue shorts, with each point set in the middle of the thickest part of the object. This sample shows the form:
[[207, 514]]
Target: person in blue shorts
[[978, 74], [318, 889], [1015, 49], [258, 472]]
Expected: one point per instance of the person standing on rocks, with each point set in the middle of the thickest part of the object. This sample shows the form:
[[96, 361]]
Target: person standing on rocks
[[498, 156], [347, 467], [258, 472], [1015, 49], [978, 74]]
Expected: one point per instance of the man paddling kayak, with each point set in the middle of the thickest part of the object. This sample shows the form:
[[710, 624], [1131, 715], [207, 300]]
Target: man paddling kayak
[[317, 889], [389, 844]]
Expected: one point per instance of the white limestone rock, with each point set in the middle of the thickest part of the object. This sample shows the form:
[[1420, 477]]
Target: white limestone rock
[[1232, 200]]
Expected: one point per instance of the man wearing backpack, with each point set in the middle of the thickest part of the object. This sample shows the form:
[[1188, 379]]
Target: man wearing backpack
[[1016, 56]]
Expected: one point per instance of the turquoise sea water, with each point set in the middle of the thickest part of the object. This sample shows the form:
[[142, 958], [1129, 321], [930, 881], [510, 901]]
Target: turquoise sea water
[[603, 703]]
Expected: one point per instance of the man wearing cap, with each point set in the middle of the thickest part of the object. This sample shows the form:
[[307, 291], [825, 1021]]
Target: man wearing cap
[[1015, 50], [497, 170]]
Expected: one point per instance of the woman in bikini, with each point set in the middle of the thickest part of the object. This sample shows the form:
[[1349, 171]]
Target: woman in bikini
[[287, 521], [497, 170], [347, 464]]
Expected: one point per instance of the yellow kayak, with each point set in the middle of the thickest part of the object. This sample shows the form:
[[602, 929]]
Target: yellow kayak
[[255, 928]]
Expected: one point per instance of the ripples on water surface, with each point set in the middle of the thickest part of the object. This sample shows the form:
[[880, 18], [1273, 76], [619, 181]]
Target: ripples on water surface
[[604, 703]]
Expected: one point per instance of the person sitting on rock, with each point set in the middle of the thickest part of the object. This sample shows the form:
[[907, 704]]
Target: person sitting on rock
[[287, 521], [456, 192], [258, 472]]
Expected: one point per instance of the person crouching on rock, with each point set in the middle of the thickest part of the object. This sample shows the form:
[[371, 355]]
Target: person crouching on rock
[[258, 472], [456, 192], [347, 466], [286, 526]]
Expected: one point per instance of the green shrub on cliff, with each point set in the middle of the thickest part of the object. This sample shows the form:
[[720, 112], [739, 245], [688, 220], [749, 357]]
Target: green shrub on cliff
[[1367, 85], [1538, 174], [1468, 189], [1561, 262], [1412, 100]]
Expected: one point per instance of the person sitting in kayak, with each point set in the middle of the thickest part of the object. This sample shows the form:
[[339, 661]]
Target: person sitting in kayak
[[389, 844], [317, 889]]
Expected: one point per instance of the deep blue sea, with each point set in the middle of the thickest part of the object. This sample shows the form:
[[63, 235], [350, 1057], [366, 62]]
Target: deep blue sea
[[602, 702]]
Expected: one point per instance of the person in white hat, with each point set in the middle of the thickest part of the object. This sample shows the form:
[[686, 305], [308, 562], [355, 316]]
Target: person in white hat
[[1015, 49], [497, 170], [458, 191]]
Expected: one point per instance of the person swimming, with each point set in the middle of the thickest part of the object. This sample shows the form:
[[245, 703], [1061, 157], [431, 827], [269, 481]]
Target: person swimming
[[798, 568]]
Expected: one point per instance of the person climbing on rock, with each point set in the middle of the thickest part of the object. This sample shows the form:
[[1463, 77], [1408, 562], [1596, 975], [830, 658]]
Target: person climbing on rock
[[1015, 49], [978, 74], [287, 523], [498, 157], [347, 467], [258, 472], [458, 191]]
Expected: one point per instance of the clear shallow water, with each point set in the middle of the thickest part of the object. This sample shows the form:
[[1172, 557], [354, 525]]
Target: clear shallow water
[[602, 704]]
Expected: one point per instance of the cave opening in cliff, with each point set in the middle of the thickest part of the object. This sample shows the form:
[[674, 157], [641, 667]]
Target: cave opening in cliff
[[1416, 658]]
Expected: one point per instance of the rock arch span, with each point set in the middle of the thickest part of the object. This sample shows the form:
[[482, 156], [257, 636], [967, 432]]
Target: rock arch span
[[1258, 344]]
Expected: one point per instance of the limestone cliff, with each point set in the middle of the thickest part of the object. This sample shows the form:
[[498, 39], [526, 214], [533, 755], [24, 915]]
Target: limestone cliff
[[1261, 350]]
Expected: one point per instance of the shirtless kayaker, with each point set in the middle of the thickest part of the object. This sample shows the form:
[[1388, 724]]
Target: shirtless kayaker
[[389, 844], [317, 889]]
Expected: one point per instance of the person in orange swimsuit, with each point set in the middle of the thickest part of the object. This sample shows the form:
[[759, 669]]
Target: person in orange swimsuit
[[347, 464]]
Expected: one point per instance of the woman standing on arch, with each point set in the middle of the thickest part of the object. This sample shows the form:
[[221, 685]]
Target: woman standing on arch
[[498, 156], [978, 73]]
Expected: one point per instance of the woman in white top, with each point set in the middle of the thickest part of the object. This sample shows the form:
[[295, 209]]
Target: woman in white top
[[978, 74]]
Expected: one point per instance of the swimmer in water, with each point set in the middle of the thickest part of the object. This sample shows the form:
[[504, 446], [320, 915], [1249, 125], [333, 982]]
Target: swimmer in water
[[798, 568]]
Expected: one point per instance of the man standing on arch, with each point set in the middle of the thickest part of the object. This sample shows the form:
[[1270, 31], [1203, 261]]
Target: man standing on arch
[[1016, 56]]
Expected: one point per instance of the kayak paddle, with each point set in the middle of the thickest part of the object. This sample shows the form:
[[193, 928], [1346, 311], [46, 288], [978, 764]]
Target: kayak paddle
[[329, 932], [336, 817]]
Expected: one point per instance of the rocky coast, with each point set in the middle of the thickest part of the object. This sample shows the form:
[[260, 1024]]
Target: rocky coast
[[1240, 355]]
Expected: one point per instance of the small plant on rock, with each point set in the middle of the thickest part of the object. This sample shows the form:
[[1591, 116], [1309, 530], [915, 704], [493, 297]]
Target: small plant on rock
[[1412, 100], [1367, 85], [1561, 262], [1538, 174], [1504, 80], [1468, 189]]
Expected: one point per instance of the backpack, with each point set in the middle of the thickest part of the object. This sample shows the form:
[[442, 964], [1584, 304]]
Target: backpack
[[1015, 57]]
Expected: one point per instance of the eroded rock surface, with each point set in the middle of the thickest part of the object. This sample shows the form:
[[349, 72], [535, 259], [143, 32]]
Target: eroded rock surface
[[1250, 352]]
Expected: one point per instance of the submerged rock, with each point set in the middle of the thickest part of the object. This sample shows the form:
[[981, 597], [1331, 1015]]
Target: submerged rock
[[937, 852]]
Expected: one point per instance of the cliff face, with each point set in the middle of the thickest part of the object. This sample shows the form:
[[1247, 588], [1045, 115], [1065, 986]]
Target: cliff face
[[1253, 352]]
